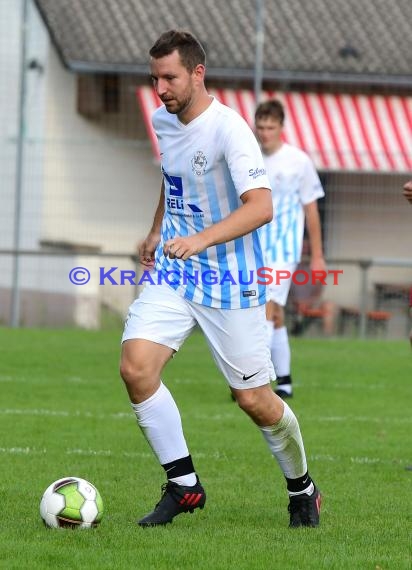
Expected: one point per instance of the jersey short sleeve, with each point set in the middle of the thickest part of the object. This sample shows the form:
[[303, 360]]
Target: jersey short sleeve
[[311, 187], [243, 156]]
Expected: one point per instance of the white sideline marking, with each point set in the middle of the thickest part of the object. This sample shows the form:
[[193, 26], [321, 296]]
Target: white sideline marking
[[184, 381], [217, 455], [62, 413], [5, 378], [75, 379], [345, 386], [369, 419], [202, 417], [22, 450]]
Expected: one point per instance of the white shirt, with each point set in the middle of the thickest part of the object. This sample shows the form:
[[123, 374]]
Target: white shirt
[[294, 183], [207, 165]]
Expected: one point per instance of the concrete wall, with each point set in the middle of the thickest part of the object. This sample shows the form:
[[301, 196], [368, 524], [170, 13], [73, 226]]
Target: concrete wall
[[368, 218]]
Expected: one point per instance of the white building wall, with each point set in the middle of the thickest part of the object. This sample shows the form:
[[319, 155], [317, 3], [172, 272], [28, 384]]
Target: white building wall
[[100, 187], [368, 218], [101, 184], [85, 181]]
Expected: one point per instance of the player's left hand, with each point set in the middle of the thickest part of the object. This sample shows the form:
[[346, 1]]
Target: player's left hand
[[183, 247]]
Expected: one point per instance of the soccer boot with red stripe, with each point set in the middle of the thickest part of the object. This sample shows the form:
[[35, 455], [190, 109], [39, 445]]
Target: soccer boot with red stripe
[[305, 509], [175, 499]]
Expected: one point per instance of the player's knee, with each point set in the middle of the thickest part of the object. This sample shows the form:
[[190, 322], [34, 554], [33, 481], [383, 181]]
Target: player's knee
[[247, 401], [126, 372], [133, 373]]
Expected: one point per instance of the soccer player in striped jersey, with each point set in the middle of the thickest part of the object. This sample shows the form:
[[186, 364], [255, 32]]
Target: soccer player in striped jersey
[[295, 190], [214, 196]]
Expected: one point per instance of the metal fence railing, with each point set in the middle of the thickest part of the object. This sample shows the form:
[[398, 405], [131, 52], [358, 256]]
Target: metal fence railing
[[359, 290]]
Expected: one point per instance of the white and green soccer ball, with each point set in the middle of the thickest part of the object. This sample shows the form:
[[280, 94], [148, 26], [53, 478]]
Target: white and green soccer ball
[[71, 502]]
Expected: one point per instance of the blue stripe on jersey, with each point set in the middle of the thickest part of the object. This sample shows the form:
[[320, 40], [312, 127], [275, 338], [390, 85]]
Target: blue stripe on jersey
[[233, 200], [259, 263], [198, 222], [216, 216], [203, 259], [240, 254], [296, 240], [170, 231], [166, 234], [267, 241], [165, 263], [225, 287], [286, 245]]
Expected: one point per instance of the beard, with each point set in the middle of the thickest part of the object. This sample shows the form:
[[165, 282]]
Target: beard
[[178, 105]]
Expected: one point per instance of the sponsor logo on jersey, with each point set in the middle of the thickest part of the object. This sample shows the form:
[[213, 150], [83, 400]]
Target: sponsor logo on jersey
[[256, 172], [174, 197], [250, 293], [199, 163]]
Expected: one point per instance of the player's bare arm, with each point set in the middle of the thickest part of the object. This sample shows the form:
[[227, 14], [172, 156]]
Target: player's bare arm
[[148, 246], [317, 262], [255, 211]]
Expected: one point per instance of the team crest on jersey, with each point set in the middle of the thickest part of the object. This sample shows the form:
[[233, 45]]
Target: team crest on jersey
[[199, 163]]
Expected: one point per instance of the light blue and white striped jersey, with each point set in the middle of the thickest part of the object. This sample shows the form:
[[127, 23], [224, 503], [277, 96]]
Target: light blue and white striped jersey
[[207, 165], [294, 183]]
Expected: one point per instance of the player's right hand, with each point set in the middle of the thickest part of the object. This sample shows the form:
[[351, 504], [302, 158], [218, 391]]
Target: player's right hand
[[146, 250]]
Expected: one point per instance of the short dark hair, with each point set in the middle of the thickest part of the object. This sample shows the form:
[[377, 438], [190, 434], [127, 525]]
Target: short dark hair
[[271, 109], [190, 50]]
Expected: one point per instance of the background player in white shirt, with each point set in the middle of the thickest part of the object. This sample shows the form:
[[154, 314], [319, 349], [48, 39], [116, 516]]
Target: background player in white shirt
[[214, 196], [295, 190]]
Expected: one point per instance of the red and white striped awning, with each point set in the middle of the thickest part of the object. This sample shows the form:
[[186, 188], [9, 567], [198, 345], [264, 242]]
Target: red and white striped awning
[[339, 132]]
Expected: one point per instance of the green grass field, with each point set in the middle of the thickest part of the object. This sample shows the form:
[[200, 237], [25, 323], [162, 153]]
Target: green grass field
[[64, 411]]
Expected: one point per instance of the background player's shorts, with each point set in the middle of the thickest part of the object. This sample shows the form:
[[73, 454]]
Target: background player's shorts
[[279, 293], [237, 338]]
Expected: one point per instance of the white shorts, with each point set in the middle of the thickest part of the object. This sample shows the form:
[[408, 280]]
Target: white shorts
[[278, 290], [237, 338]]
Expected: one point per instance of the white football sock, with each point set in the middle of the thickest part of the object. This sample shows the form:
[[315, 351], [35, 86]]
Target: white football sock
[[308, 491], [286, 444], [159, 419], [287, 388], [280, 351]]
